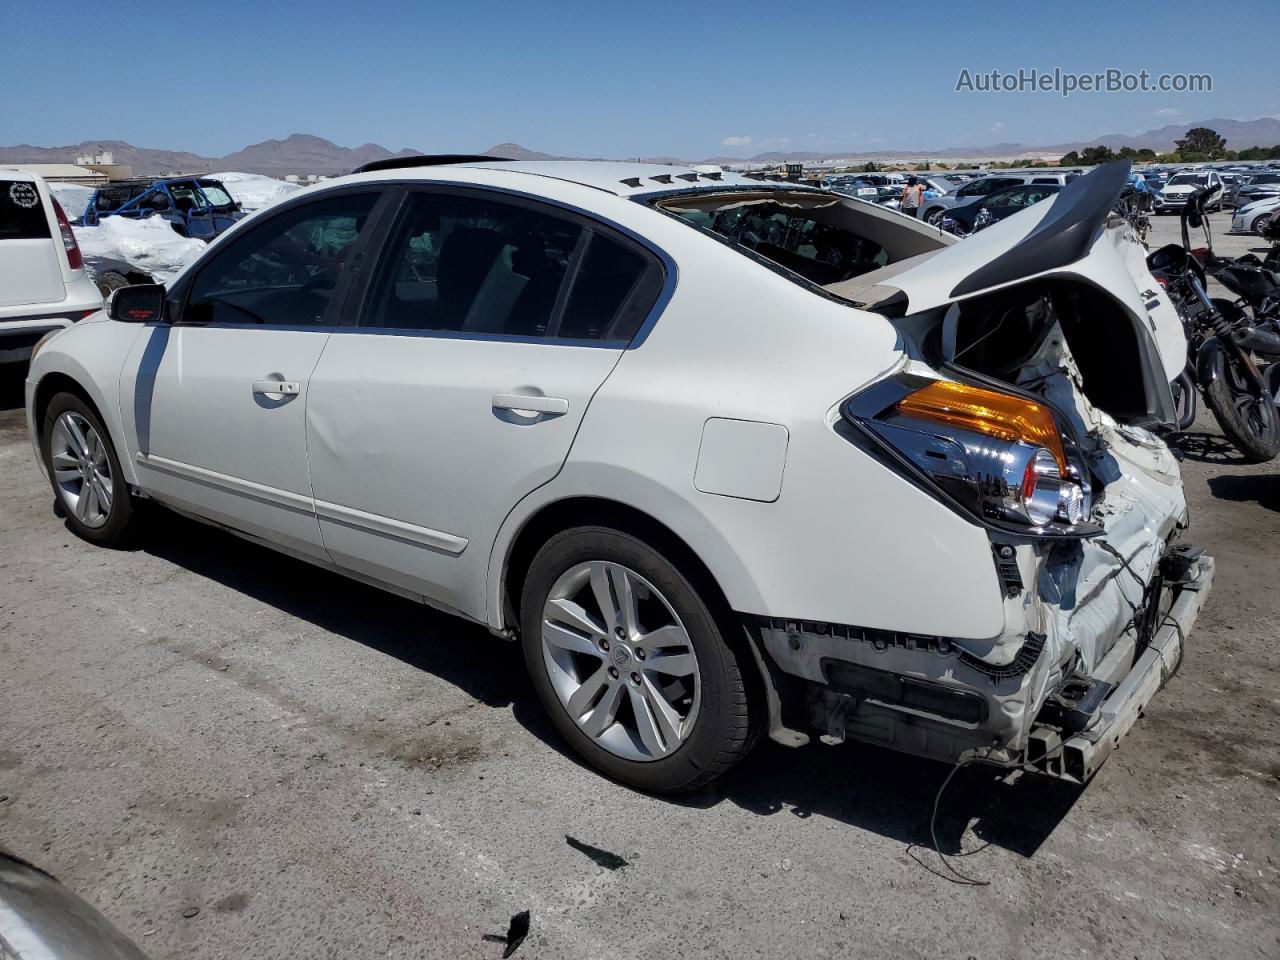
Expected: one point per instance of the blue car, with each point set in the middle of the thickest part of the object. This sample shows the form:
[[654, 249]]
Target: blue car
[[197, 207]]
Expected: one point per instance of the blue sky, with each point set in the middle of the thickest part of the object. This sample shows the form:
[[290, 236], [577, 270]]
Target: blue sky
[[640, 78]]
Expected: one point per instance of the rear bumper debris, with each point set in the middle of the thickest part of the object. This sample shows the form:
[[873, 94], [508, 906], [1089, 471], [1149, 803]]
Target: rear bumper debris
[[1078, 757]]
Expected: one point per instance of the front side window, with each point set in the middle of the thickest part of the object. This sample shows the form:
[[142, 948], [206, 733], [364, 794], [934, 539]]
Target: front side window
[[283, 271]]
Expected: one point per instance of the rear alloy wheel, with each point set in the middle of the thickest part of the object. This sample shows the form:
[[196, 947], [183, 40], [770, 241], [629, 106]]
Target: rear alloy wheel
[[599, 656], [88, 483], [631, 663]]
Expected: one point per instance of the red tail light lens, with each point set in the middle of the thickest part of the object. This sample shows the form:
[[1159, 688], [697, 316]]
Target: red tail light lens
[[1201, 254], [74, 260]]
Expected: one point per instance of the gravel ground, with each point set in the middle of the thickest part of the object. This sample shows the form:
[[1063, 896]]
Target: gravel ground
[[324, 770]]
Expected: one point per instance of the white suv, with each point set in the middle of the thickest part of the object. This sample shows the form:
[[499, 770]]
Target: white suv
[[1173, 195], [43, 283], [726, 456]]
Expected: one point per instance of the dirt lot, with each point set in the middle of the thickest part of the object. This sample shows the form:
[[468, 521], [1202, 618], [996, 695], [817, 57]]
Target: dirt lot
[[324, 770]]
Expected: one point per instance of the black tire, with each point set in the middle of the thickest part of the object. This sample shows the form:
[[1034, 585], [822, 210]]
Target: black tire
[[1259, 223], [726, 725], [1271, 375], [122, 523], [934, 217], [1249, 420], [108, 282]]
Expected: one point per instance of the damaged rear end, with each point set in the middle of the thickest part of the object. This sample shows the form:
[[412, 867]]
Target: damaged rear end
[[1036, 387]]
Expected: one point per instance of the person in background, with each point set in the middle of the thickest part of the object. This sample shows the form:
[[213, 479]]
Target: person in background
[[912, 197]]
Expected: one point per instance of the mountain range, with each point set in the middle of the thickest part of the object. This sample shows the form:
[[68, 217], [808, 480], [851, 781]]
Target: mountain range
[[303, 153]]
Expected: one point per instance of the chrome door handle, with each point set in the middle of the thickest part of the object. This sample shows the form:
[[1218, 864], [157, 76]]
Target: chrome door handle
[[276, 388], [521, 403]]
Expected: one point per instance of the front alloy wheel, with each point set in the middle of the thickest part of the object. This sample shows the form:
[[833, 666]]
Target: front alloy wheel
[[88, 484], [81, 470], [620, 660]]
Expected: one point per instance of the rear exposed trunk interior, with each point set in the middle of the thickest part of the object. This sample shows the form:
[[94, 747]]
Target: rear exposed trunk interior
[[999, 334], [824, 239]]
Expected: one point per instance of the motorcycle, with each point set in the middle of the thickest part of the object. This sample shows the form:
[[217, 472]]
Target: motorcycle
[[1256, 284], [1134, 205], [1221, 342]]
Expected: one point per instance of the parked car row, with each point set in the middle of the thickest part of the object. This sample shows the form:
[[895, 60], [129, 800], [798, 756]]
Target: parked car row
[[978, 214], [1254, 217]]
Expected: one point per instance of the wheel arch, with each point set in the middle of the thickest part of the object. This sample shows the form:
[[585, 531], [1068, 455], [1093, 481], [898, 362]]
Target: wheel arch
[[54, 382], [585, 510], [578, 511]]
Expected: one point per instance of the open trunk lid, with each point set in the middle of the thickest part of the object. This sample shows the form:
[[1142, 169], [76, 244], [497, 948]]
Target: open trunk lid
[[1066, 238]]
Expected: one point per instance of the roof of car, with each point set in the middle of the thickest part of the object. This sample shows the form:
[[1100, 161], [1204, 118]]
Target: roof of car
[[617, 177]]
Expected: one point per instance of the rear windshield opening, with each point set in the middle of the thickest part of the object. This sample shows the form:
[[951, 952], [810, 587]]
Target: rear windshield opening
[[818, 237], [22, 214]]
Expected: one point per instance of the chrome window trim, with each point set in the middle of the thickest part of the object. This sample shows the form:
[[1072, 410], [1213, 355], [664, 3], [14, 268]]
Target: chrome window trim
[[379, 233]]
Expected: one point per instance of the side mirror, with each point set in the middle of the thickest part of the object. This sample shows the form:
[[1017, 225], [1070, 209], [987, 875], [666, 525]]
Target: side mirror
[[142, 303]]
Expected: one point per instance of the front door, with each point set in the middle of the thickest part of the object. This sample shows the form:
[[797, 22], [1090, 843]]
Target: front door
[[488, 325], [216, 400]]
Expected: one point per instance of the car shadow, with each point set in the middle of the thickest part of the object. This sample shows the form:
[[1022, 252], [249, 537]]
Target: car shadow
[[892, 794], [1260, 488], [866, 787], [466, 655]]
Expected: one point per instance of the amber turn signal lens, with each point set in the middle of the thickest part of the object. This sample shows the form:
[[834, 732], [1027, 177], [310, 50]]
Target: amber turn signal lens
[[988, 412]]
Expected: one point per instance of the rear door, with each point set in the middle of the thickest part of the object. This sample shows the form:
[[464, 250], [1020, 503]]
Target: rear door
[[487, 327], [30, 258]]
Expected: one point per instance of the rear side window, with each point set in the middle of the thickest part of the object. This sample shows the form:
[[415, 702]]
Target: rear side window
[[21, 212], [472, 265], [612, 293]]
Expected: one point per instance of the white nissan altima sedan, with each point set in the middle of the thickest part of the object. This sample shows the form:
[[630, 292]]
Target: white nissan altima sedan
[[728, 457]]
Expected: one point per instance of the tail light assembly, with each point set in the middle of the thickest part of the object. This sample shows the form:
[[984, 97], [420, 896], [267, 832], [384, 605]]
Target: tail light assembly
[[1000, 458], [74, 260]]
